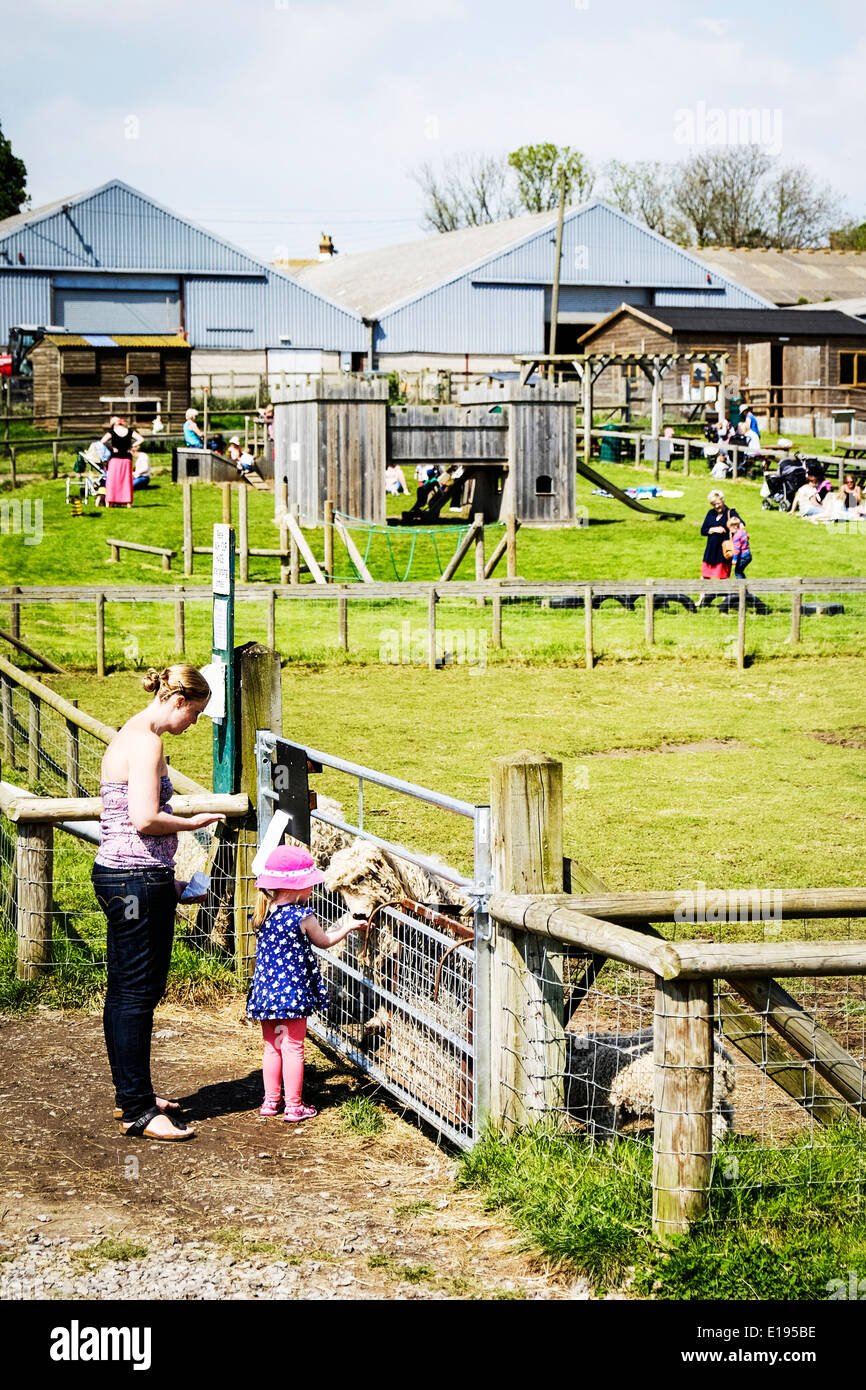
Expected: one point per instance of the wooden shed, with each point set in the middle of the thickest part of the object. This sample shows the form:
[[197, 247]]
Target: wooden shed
[[83, 379], [794, 366]]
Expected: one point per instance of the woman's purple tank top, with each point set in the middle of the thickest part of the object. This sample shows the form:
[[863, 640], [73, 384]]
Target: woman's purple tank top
[[124, 847]]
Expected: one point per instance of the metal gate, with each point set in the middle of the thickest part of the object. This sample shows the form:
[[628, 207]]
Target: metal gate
[[410, 1015]]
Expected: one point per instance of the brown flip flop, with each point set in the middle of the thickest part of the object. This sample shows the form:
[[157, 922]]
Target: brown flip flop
[[139, 1128]]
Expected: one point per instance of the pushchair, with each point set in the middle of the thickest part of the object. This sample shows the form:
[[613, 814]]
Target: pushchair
[[88, 476], [779, 489]]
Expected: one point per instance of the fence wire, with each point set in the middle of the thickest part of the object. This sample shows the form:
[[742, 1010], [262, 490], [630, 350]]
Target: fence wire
[[788, 1086]]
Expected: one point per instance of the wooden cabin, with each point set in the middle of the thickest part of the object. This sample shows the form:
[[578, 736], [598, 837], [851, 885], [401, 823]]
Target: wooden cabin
[[81, 380], [795, 366]]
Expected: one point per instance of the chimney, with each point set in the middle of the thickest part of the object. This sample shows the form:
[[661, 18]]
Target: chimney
[[326, 247]]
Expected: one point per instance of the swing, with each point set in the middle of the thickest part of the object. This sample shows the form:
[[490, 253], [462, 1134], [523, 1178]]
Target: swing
[[375, 529]]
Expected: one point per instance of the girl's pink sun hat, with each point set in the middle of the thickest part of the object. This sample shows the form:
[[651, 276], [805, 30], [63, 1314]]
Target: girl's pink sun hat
[[288, 866]]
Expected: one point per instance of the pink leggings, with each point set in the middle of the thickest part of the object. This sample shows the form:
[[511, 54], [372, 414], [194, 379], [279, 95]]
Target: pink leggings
[[283, 1058]]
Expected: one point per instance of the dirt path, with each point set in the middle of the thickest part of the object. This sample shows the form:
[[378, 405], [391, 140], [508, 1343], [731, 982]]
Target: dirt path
[[251, 1207]]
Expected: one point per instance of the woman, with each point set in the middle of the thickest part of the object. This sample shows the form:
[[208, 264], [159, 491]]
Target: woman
[[850, 495], [141, 465], [120, 441], [192, 435], [133, 878], [715, 564]]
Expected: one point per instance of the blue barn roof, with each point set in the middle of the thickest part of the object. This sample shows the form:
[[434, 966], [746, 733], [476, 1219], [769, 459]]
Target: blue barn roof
[[115, 239]]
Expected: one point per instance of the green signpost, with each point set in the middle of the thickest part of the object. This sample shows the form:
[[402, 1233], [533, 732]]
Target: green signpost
[[223, 584]]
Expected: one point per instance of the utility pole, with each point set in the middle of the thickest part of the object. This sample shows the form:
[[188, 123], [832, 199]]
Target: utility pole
[[554, 298]]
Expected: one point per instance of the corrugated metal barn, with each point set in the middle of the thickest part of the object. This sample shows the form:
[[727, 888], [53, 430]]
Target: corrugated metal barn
[[114, 261], [484, 293]]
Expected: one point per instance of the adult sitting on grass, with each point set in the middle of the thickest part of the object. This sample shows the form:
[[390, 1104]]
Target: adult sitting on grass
[[135, 886]]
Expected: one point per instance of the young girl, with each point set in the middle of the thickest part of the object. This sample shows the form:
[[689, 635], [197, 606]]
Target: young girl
[[742, 549], [287, 986]]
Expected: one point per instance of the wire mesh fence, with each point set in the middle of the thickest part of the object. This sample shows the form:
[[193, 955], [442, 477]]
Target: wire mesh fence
[[786, 1088]]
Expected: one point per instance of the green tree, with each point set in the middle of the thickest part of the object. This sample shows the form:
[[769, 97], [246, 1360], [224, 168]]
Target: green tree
[[13, 180], [540, 170], [850, 237]]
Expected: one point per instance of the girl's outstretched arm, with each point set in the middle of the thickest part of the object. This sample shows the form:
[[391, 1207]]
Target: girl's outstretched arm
[[324, 939]]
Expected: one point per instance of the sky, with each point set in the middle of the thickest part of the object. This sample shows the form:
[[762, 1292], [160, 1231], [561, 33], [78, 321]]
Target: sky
[[271, 121]]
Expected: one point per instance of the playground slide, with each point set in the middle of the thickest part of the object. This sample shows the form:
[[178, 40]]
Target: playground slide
[[617, 492]]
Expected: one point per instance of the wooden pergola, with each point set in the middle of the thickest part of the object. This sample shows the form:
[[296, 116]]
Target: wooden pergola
[[589, 366]]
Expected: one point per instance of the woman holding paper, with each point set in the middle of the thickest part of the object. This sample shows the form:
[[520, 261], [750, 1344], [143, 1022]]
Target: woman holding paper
[[134, 881]]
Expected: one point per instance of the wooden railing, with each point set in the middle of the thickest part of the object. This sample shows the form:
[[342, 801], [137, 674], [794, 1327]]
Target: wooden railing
[[527, 1016]]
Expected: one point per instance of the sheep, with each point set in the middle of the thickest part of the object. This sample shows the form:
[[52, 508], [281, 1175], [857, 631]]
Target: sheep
[[612, 1075]]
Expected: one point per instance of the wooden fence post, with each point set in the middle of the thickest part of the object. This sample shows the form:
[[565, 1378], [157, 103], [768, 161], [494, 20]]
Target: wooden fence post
[[187, 526], [497, 620], [227, 503], [294, 553], [329, 541], [527, 1001], [511, 545], [258, 705], [8, 721], [179, 622], [649, 621], [34, 740], [73, 758], [13, 474], [741, 625], [587, 626], [15, 613], [682, 1135], [796, 610], [686, 456], [272, 619], [33, 868], [100, 634], [243, 534], [343, 621], [478, 518], [54, 459], [432, 600], [282, 512]]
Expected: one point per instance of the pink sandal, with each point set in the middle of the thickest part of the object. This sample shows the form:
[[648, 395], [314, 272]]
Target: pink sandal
[[300, 1112], [270, 1107]]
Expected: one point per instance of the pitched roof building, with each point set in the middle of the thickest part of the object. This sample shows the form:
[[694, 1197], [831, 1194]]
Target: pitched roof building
[[787, 278], [484, 293], [115, 261]]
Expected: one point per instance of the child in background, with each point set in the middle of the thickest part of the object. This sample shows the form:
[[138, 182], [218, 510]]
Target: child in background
[[742, 552], [287, 986]]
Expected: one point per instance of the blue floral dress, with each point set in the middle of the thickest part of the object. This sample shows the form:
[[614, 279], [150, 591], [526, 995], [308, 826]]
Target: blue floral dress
[[286, 982]]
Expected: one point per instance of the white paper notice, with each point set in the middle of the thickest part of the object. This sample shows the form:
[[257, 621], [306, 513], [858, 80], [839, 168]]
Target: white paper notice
[[221, 559], [220, 624], [272, 837], [215, 675]]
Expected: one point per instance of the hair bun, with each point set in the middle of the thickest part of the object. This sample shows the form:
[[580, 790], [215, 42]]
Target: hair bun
[[152, 681]]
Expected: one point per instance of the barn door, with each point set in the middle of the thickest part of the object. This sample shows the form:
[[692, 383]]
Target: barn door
[[801, 366], [759, 366]]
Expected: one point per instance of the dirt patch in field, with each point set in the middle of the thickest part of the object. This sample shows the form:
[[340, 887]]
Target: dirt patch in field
[[855, 737], [704, 745], [355, 1216]]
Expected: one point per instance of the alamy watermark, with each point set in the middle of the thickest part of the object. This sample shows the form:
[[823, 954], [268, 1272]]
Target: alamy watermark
[[851, 1288], [22, 518], [408, 646], [736, 905], [739, 125]]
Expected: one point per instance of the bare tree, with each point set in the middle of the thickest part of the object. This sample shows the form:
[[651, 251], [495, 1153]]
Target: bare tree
[[470, 191], [799, 211], [541, 170], [719, 191], [644, 190]]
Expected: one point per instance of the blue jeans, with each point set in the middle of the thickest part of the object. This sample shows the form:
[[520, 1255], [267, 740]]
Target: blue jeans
[[140, 905], [740, 566]]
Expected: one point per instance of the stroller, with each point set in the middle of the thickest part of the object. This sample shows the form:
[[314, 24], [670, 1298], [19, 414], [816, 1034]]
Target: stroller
[[778, 490], [88, 476]]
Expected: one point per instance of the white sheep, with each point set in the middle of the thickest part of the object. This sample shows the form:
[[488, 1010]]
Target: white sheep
[[610, 1077]]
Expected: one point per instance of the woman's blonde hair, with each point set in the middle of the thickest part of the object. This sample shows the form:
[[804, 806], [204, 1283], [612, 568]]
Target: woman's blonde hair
[[181, 679], [716, 492]]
